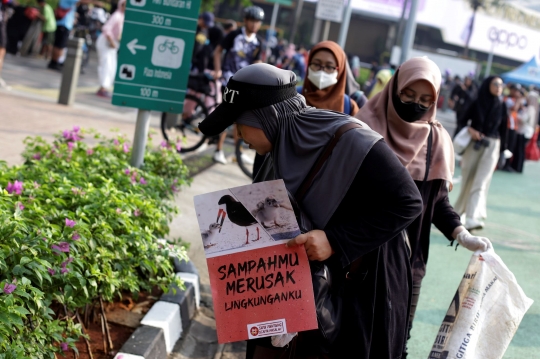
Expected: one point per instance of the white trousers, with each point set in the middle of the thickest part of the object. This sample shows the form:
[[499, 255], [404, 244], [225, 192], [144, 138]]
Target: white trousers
[[107, 58], [477, 167]]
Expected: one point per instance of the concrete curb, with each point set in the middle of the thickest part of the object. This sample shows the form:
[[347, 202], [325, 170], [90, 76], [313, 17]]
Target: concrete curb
[[167, 320]]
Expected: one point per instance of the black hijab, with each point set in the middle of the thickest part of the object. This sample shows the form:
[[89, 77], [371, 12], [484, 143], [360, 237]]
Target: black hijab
[[486, 112], [299, 134]]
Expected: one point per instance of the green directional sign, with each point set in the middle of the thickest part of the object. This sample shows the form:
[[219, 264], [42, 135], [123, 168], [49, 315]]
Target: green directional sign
[[155, 54]]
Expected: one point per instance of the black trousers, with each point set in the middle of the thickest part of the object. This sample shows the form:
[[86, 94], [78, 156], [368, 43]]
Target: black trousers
[[519, 153]]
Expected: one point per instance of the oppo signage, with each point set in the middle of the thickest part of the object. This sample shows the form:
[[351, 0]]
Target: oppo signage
[[510, 40]]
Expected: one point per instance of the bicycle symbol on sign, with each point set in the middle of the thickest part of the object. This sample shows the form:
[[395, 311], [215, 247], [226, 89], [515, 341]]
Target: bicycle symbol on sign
[[168, 45]]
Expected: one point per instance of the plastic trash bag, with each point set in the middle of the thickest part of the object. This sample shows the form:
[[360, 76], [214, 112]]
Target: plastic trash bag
[[484, 314]]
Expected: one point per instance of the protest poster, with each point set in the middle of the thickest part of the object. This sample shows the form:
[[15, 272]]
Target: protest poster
[[259, 286]]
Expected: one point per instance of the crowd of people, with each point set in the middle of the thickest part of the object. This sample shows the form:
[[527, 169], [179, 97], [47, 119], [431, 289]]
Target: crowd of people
[[395, 156], [400, 152]]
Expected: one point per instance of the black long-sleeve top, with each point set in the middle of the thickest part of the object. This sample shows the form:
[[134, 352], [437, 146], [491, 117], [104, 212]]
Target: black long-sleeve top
[[492, 127], [438, 211], [381, 202], [368, 226]]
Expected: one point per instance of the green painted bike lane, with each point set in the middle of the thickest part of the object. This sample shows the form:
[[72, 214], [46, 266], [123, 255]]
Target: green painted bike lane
[[513, 225]]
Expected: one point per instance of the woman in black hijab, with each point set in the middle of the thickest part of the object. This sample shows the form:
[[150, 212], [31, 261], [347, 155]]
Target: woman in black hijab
[[360, 202], [488, 118]]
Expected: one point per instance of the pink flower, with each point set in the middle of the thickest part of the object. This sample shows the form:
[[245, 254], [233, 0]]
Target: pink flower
[[19, 206], [164, 144], [126, 171], [61, 247], [174, 188], [44, 239], [64, 270], [70, 223], [37, 156], [16, 187], [64, 346], [178, 146], [118, 210], [89, 152], [76, 236], [9, 288], [142, 180], [76, 128], [126, 148], [137, 213], [66, 134], [51, 271], [66, 262], [36, 185], [116, 142], [70, 145]]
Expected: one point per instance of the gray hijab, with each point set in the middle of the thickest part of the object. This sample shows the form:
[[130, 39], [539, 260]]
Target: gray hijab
[[299, 134]]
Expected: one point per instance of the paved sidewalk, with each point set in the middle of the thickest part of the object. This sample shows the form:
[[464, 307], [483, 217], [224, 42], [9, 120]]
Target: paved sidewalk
[[24, 114]]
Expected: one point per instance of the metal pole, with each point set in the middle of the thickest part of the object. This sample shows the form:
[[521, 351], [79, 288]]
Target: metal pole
[[326, 30], [344, 29], [401, 22], [139, 140], [274, 18], [490, 60], [410, 31], [70, 74], [296, 20], [316, 31]]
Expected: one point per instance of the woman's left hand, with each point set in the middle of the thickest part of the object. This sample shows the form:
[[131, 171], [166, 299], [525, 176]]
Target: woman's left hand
[[316, 243]]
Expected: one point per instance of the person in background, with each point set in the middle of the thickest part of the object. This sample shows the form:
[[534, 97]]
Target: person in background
[[404, 113], [514, 104], [326, 79], [381, 79], [527, 118], [242, 47], [463, 94], [294, 61], [228, 26], [48, 29], [204, 23], [3, 37], [355, 66], [107, 49], [64, 25], [488, 130]]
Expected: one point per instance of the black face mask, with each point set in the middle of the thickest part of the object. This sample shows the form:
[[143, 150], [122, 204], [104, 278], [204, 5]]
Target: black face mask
[[409, 112]]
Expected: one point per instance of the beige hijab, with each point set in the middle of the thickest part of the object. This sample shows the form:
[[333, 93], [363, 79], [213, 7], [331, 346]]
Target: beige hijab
[[409, 141]]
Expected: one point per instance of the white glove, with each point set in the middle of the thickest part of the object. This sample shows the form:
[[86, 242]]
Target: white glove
[[283, 339], [473, 243]]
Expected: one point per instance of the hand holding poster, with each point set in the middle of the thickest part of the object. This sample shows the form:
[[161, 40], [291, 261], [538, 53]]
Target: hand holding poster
[[259, 286]]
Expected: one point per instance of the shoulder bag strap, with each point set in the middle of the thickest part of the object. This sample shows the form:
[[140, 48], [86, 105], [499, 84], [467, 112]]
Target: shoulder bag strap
[[428, 156], [322, 158]]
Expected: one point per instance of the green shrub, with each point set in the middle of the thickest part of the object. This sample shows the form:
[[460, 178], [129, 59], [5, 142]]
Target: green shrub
[[78, 223]]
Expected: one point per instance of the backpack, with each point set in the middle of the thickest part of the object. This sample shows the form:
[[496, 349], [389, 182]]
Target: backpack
[[346, 101]]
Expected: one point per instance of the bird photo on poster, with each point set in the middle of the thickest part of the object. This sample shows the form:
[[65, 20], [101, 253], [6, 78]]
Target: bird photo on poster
[[245, 218]]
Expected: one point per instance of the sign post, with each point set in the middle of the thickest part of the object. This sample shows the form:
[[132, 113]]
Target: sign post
[[154, 60], [329, 10]]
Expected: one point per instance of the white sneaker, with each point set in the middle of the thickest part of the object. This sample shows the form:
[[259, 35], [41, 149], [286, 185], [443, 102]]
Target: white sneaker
[[472, 223], [4, 85], [219, 157], [246, 159]]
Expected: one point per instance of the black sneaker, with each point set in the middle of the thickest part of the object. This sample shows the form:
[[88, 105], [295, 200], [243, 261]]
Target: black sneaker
[[54, 66]]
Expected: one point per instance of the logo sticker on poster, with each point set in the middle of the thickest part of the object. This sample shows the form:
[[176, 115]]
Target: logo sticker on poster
[[266, 329]]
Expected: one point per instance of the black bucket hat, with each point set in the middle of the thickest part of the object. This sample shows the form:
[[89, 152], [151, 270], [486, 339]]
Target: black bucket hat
[[254, 86]]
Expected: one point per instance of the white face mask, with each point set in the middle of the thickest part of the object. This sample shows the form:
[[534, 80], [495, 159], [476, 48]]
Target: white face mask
[[322, 79]]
